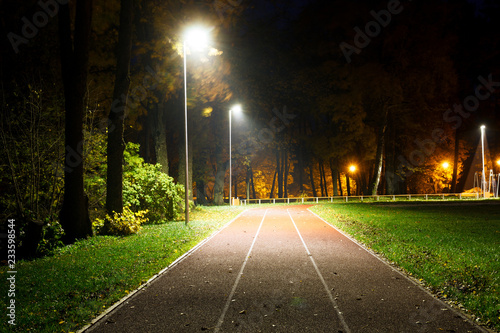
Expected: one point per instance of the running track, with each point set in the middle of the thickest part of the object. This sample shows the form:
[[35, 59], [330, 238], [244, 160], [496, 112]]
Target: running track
[[282, 270]]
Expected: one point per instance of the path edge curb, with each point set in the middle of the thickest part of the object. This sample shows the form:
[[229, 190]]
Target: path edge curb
[[402, 273], [156, 276]]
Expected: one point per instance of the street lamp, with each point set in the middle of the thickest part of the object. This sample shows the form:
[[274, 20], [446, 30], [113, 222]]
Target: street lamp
[[197, 38], [483, 177], [446, 165], [236, 108]]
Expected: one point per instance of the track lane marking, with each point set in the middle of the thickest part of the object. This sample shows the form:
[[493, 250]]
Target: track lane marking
[[327, 289], [233, 290]]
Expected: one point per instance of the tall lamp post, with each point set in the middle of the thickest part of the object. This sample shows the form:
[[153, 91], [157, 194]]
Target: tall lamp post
[[236, 108], [483, 177], [195, 37]]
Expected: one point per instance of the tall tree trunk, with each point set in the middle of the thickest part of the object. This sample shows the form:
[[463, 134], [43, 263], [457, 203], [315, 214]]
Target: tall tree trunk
[[285, 175], [145, 149], [116, 145], [300, 166], [324, 179], [334, 172], [279, 169], [348, 185], [274, 182], [247, 183], [311, 176], [219, 184], [379, 158], [377, 174], [340, 183], [455, 163], [159, 125], [392, 180], [321, 179], [74, 215], [201, 196], [235, 184], [253, 184], [220, 165]]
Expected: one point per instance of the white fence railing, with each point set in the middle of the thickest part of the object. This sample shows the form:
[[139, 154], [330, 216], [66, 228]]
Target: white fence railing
[[362, 198]]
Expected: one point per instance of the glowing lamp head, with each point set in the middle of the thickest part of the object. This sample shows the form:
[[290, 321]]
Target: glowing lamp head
[[483, 127], [236, 108], [197, 38], [352, 168], [446, 165], [498, 162]]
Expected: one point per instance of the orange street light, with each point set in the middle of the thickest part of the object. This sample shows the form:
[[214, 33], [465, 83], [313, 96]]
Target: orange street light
[[352, 168], [446, 165]]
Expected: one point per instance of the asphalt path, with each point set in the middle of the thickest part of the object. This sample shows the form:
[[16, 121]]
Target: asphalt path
[[282, 269]]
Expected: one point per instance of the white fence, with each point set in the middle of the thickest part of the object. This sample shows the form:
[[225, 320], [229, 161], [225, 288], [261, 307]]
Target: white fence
[[362, 198]]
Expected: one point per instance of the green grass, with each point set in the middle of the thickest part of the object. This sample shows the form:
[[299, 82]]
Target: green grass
[[453, 248], [63, 292]]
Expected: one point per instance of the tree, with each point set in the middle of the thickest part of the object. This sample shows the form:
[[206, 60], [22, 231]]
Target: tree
[[116, 145], [74, 213]]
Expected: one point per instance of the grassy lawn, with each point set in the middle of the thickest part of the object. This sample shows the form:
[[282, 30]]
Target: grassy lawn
[[453, 248], [63, 292]]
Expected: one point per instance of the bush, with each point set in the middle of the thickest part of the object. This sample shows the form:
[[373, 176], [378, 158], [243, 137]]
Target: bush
[[146, 187], [51, 238], [121, 224]]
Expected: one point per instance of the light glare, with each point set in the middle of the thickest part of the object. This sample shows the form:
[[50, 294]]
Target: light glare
[[197, 38], [236, 108], [352, 168]]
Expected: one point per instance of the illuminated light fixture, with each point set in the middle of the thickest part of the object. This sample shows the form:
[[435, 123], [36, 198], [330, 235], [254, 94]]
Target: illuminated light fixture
[[197, 38], [352, 168], [446, 165]]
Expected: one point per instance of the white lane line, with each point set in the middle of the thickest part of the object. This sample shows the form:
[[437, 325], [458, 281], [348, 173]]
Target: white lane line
[[89, 327], [228, 302], [332, 299]]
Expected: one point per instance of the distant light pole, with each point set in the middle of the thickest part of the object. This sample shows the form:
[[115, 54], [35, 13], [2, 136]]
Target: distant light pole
[[483, 177], [236, 108], [352, 169], [197, 37]]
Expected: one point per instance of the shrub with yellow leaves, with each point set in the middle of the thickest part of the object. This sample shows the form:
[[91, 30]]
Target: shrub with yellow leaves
[[121, 224]]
